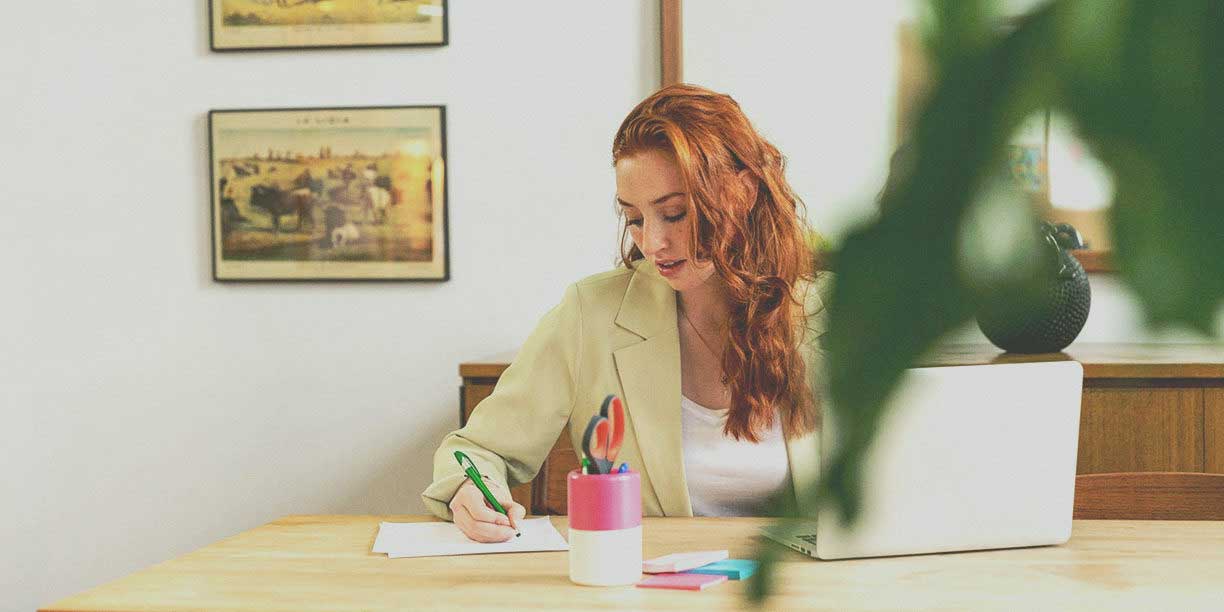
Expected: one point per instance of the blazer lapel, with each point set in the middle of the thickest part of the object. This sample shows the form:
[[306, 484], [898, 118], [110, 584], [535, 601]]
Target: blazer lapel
[[804, 455], [649, 373], [804, 452]]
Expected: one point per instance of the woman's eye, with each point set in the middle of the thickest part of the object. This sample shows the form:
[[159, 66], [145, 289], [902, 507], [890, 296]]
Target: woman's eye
[[675, 218], [637, 222]]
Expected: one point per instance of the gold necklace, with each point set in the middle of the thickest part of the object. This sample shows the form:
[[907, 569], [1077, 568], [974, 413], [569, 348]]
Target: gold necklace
[[684, 313], [722, 379]]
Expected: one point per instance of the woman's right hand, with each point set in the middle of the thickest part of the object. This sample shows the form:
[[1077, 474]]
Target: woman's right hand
[[480, 522]]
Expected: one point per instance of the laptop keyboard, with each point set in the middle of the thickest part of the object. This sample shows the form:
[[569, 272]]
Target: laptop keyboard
[[810, 539]]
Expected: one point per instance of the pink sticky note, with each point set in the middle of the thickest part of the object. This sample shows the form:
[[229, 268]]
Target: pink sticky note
[[682, 582]]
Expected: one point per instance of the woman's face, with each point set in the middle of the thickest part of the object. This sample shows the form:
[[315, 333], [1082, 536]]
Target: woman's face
[[651, 195]]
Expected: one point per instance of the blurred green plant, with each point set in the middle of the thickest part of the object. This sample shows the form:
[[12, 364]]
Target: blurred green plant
[[819, 248], [1143, 83]]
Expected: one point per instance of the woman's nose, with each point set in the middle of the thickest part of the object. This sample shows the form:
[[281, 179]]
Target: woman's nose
[[654, 238]]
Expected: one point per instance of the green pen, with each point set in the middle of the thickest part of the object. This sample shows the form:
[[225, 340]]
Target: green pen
[[586, 464], [469, 468]]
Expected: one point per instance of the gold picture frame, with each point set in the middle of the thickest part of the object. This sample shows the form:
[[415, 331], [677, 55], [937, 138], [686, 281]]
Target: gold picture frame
[[329, 194], [244, 25]]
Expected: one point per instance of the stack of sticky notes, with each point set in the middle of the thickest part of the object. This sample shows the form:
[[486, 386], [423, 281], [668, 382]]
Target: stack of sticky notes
[[694, 571], [733, 569]]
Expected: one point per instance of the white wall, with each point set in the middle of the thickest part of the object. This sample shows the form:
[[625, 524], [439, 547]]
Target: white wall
[[148, 410], [818, 83], [821, 85]]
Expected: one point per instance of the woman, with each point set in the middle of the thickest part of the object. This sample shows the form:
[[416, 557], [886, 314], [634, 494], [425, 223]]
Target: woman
[[708, 332]]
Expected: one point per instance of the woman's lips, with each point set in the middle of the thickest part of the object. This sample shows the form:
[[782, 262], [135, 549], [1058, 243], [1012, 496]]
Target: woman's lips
[[671, 270]]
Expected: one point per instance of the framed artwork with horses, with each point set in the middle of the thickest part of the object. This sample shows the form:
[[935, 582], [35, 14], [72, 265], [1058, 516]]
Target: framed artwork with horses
[[329, 193], [238, 25]]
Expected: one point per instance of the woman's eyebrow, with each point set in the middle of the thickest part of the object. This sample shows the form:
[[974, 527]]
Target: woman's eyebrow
[[658, 200]]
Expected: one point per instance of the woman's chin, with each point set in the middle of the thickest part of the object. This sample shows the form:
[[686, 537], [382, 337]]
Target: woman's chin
[[683, 283], [688, 276], [675, 284]]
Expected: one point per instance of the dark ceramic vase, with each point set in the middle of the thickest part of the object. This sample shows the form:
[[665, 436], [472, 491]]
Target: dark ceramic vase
[[1060, 313]]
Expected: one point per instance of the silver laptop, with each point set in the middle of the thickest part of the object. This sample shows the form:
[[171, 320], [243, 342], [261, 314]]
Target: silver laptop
[[967, 458]]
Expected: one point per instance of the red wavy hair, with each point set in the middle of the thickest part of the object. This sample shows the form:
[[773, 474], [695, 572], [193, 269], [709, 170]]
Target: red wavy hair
[[755, 238]]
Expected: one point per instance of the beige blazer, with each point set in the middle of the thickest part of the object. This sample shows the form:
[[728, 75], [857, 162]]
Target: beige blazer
[[613, 332]]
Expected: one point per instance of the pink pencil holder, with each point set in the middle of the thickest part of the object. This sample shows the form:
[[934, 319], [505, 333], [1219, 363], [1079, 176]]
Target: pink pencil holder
[[605, 528]]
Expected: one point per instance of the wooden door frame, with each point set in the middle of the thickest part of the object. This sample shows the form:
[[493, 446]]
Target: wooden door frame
[[671, 29]]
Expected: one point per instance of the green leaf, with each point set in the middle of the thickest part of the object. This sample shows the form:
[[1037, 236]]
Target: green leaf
[[899, 288], [1148, 97], [1144, 83], [760, 584]]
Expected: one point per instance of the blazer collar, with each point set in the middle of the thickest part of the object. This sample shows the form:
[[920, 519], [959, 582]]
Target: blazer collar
[[649, 373], [649, 305]]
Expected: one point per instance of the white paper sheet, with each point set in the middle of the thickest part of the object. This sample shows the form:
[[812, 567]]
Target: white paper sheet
[[400, 540]]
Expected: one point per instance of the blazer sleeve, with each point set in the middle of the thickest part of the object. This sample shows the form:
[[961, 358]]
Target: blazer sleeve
[[817, 313], [511, 431]]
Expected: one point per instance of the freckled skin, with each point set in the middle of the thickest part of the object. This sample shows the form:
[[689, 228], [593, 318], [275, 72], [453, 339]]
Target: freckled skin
[[640, 180]]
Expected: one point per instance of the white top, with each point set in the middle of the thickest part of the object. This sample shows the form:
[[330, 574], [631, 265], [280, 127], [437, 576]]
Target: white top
[[729, 477]]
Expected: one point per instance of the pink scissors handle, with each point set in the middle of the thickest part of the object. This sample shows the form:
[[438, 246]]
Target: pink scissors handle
[[595, 443], [617, 420]]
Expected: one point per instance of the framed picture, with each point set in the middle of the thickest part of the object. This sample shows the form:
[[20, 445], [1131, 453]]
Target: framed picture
[[1065, 183], [304, 24], [329, 193]]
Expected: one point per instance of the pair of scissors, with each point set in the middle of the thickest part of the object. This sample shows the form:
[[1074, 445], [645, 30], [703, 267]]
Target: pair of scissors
[[601, 441]]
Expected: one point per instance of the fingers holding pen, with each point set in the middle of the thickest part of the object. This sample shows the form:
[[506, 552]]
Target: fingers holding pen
[[514, 510], [477, 521], [476, 518], [493, 495], [484, 531]]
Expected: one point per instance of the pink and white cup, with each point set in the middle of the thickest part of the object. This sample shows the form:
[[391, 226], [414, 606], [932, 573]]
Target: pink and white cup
[[605, 528]]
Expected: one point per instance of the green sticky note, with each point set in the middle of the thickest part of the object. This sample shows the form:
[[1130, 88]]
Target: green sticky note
[[733, 569]]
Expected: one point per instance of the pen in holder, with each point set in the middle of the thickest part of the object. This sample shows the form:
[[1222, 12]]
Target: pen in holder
[[605, 528]]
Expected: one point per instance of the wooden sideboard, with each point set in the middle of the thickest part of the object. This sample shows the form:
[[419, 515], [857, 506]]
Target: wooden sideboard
[[1146, 408]]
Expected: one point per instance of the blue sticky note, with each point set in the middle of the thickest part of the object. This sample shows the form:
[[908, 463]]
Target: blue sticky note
[[733, 569]]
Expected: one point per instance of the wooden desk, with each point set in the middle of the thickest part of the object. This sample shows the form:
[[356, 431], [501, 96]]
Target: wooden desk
[[1146, 408], [318, 563]]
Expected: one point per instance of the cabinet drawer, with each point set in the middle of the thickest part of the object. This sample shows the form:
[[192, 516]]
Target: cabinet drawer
[[1140, 429]]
